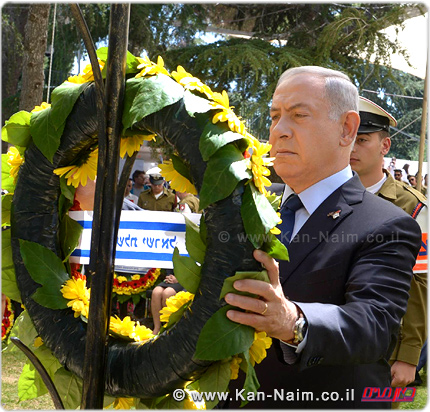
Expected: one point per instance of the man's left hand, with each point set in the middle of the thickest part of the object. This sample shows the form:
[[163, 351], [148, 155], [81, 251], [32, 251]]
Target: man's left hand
[[402, 374], [272, 312]]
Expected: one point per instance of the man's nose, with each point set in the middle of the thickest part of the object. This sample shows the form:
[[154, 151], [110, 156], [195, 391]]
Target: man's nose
[[281, 129]]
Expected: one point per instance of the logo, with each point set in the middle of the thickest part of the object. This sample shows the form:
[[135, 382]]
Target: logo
[[388, 394]]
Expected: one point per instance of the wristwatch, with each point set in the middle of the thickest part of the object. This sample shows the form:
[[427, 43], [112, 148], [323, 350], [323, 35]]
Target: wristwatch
[[300, 328]]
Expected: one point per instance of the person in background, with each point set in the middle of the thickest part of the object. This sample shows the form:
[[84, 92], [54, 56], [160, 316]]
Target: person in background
[[128, 195], [372, 144], [157, 197], [139, 182], [412, 181], [188, 203], [398, 174]]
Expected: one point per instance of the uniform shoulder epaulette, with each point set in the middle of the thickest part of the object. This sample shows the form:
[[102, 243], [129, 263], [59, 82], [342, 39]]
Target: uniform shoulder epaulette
[[416, 193]]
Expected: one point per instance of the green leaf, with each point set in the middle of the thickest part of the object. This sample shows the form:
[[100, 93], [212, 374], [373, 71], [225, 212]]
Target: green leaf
[[46, 268], [123, 298], [45, 136], [194, 244], [181, 167], [8, 280], [6, 204], [135, 299], [169, 403], [221, 338], [276, 249], [195, 104], [67, 196], [227, 287], [215, 379], [186, 271], [27, 388], [23, 328], [176, 316], [16, 130], [132, 62], [274, 200], [70, 233], [225, 169], [63, 99], [203, 230], [144, 96], [69, 388], [6, 180], [258, 215], [215, 136], [251, 384]]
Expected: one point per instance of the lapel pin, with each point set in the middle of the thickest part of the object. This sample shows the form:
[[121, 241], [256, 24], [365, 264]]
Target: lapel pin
[[335, 214]]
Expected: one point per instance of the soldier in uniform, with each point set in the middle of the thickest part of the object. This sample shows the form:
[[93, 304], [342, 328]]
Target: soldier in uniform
[[372, 144], [188, 203], [157, 197]]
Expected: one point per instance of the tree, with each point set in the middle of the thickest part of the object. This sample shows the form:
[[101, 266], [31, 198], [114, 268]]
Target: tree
[[34, 54]]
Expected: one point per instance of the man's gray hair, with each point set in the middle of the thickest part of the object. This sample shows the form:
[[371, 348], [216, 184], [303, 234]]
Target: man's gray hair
[[340, 92]]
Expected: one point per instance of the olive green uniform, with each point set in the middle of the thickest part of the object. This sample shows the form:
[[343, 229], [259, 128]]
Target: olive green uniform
[[165, 203], [192, 202], [413, 330]]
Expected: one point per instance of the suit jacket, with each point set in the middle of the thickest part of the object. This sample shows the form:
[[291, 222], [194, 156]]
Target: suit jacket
[[350, 275]]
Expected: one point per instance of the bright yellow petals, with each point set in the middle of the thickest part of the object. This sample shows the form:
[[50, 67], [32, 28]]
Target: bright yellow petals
[[174, 303], [189, 82], [132, 144], [275, 230], [149, 68], [258, 164], [257, 351], [14, 160], [127, 327], [221, 101], [43, 106], [87, 75], [76, 175], [123, 403], [38, 342], [75, 290], [189, 403], [177, 181], [234, 366]]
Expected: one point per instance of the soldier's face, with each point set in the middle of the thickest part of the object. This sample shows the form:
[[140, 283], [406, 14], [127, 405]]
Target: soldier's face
[[156, 189]]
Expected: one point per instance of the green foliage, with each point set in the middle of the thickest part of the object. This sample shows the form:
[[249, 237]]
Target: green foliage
[[226, 168], [221, 338], [193, 242], [45, 268], [67, 195], [131, 63], [23, 328], [6, 204], [228, 287], [251, 384], [275, 248], [144, 96], [6, 180], [215, 136], [16, 130], [215, 379], [8, 279], [180, 166], [186, 271], [70, 232], [69, 388], [195, 104]]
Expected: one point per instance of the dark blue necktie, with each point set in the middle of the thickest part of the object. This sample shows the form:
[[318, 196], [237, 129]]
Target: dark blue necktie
[[288, 216]]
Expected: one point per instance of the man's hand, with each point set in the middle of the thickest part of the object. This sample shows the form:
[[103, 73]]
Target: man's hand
[[272, 313], [402, 374]]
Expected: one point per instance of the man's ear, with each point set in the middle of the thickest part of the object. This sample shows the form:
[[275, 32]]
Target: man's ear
[[385, 145], [350, 124]]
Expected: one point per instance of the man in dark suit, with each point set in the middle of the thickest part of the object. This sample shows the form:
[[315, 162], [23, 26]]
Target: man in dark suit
[[334, 309]]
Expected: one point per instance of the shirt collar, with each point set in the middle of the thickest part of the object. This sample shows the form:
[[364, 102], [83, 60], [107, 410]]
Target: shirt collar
[[375, 188], [314, 195]]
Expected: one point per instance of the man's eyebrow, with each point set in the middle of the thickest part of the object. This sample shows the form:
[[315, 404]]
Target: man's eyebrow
[[293, 107]]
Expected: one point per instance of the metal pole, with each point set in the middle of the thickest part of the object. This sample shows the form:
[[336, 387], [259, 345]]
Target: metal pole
[[423, 133], [102, 278]]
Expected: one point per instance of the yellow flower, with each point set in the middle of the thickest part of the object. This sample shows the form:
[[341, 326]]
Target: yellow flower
[[257, 351], [76, 175], [38, 342], [123, 403], [127, 327], [75, 290], [43, 106], [141, 333], [221, 101], [122, 279], [190, 404], [258, 164], [174, 303], [177, 181], [275, 230], [189, 82], [14, 161], [135, 277], [87, 75], [132, 144], [234, 366], [149, 67]]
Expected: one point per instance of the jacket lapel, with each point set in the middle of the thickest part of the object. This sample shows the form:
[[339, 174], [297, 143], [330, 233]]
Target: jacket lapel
[[321, 223]]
